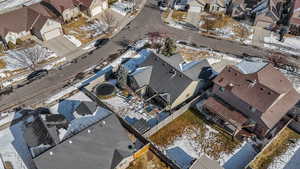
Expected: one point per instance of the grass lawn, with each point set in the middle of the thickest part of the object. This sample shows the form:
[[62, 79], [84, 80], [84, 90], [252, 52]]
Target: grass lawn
[[210, 140], [179, 15], [73, 28], [278, 146], [148, 161]]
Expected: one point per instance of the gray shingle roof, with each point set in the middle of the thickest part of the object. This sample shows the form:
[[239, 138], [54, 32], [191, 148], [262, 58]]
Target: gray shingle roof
[[142, 75], [168, 75], [86, 107], [102, 145]]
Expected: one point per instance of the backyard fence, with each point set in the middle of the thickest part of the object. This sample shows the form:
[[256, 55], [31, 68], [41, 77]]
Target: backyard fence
[[170, 118]]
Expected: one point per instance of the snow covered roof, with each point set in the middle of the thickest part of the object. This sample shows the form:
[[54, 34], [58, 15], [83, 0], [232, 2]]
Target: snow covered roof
[[132, 64], [102, 145], [247, 67]]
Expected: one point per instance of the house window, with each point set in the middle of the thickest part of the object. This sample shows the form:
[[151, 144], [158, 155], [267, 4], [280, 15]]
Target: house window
[[222, 89], [252, 109]]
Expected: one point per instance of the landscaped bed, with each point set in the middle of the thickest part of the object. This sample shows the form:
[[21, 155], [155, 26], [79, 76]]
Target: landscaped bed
[[279, 152], [195, 137], [148, 161]]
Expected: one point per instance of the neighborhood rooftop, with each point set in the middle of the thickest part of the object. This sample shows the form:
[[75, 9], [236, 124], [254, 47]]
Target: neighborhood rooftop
[[102, 145]]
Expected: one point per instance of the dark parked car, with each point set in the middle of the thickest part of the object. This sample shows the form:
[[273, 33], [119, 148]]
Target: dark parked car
[[37, 74], [101, 42], [6, 90]]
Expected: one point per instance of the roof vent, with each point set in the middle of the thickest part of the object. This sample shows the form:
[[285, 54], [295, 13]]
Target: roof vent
[[252, 83], [103, 122], [89, 131], [173, 72], [70, 141], [51, 153]]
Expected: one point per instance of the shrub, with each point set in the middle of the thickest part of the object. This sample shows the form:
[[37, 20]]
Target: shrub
[[1, 48], [8, 165], [2, 64], [169, 47], [19, 42], [11, 45]]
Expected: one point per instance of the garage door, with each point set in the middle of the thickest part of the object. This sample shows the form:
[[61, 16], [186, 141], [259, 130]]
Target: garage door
[[96, 11], [52, 34]]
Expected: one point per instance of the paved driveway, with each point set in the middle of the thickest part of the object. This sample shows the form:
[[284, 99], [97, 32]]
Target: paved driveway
[[60, 45]]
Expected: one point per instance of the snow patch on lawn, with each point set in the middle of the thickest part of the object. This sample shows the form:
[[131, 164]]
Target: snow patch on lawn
[[280, 162], [290, 44]]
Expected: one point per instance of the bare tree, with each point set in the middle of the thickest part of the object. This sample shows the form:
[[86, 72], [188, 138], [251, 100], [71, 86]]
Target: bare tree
[[109, 19], [28, 58], [241, 31]]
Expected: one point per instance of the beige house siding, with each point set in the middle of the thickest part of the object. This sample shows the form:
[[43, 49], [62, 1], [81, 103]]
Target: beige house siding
[[50, 25], [186, 94], [97, 7], [12, 36], [71, 13]]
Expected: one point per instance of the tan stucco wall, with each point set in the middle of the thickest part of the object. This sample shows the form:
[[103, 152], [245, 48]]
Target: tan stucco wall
[[186, 94]]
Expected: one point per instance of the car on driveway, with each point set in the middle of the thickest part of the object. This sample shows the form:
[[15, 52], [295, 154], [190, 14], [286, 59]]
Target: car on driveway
[[37, 74], [101, 42]]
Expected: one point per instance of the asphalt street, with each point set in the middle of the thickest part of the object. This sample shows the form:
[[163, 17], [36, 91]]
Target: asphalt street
[[147, 21]]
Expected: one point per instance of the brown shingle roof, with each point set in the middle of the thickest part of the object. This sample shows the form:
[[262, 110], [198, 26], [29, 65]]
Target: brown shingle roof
[[43, 10], [61, 5], [267, 90], [85, 3], [231, 116], [17, 21]]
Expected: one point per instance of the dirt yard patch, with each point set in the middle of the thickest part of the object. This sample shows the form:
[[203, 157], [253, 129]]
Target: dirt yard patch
[[206, 139], [74, 28], [148, 161], [216, 21], [277, 147], [179, 15]]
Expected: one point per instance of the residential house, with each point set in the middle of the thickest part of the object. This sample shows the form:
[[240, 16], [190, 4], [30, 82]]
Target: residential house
[[197, 7], [92, 8], [24, 22], [295, 19], [250, 98], [211, 6], [167, 81], [66, 8], [101, 145], [268, 13]]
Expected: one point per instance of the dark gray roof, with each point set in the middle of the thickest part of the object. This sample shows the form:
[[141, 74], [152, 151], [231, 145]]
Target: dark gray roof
[[142, 75], [102, 145], [190, 69], [167, 76], [86, 107], [36, 133]]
